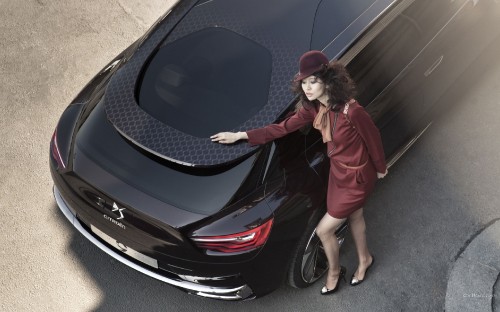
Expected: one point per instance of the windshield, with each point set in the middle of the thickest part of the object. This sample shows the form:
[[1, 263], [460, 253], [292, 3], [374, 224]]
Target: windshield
[[209, 81]]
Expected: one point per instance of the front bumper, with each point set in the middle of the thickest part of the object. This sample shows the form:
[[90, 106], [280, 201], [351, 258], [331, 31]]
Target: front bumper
[[186, 283]]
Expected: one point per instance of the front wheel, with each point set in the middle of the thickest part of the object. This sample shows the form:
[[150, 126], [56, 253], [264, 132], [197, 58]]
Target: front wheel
[[309, 261]]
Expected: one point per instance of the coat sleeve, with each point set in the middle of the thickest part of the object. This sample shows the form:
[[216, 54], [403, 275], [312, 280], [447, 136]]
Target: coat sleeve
[[370, 134], [268, 133]]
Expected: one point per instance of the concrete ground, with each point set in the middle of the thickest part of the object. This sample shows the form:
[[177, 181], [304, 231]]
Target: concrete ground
[[49, 50], [432, 222]]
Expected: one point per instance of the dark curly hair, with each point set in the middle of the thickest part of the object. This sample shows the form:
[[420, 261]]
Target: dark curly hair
[[339, 85]]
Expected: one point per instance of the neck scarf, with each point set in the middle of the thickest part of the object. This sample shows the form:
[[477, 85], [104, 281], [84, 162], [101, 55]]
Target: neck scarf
[[322, 122]]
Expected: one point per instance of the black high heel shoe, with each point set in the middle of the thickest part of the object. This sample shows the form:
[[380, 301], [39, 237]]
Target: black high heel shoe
[[355, 281], [326, 291]]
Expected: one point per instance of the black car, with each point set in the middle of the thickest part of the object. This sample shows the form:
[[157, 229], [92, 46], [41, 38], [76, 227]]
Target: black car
[[134, 169]]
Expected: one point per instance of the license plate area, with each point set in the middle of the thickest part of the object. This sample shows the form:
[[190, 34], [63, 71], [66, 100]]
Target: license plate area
[[125, 249]]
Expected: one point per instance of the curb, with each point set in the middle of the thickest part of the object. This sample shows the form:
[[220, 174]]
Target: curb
[[471, 285]]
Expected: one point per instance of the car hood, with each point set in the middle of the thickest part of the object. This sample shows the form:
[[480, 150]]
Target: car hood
[[282, 27]]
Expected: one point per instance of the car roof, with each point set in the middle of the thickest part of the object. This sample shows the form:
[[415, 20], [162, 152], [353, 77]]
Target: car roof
[[284, 27]]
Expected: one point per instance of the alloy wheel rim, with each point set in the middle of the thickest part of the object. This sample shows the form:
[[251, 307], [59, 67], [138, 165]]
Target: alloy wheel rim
[[314, 262]]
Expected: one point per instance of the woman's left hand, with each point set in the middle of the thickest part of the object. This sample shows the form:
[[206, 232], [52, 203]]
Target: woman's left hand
[[382, 175]]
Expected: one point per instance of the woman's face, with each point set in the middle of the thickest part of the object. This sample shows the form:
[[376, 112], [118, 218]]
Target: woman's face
[[314, 89]]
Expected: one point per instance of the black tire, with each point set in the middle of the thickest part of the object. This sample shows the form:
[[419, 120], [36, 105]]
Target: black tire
[[309, 262]]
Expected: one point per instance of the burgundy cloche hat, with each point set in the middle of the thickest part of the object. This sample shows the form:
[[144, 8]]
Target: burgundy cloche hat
[[309, 63]]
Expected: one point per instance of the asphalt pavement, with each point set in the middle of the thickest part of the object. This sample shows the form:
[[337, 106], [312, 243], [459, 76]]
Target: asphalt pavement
[[433, 223]]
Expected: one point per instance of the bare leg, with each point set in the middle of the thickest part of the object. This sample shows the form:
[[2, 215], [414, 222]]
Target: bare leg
[[358, 230], [326, 232]]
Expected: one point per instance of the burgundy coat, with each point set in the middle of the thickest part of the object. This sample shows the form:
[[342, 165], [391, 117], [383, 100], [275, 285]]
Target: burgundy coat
[[354, 162]]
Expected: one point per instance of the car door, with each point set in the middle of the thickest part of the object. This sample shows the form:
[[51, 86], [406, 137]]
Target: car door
[[395, 60], [455, 33], [405, 59]]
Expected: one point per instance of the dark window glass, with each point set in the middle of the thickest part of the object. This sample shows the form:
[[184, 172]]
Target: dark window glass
[[431, 15], [384, 58], [208, 81], [333, 17], [398, 44]]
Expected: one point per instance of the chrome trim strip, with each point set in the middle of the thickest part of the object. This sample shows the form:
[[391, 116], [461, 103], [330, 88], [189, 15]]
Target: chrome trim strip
[[378, 27], [270, 157], [236, 293], [203, 3], [355, 29], [350, 24], [405, 148], [152, 151], [206, 295]]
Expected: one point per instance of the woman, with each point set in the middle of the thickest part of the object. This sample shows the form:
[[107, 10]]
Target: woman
[[354, 147]]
